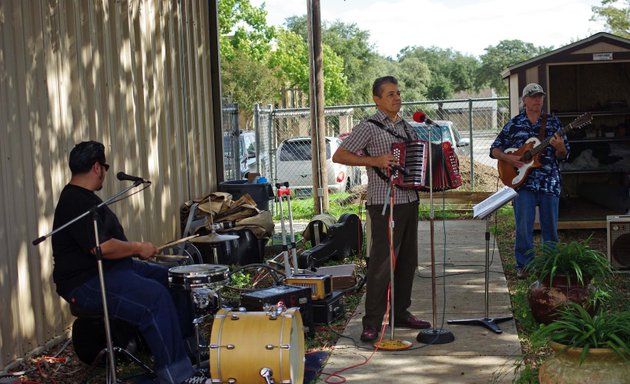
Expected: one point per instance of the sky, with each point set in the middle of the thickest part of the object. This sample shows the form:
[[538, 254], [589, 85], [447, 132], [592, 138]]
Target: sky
[[466, 26]]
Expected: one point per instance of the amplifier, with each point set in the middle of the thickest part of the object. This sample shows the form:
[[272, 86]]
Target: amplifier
[[291, 296], [328, 310], [344, 276], [320, 285], [618, 239]]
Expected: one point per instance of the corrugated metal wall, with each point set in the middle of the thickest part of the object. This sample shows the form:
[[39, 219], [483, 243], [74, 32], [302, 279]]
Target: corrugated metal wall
[[134, 75]]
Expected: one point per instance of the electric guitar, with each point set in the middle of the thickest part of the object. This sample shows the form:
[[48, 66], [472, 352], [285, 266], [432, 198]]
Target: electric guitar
[[530, 153]]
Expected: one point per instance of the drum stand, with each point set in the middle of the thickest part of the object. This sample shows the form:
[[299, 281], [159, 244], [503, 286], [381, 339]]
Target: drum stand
[[433, 335], [283, 190], [391, 344], [111, 363], [198, 321]]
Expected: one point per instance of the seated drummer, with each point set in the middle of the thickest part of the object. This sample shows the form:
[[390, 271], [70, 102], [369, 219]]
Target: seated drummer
[[137, 291]]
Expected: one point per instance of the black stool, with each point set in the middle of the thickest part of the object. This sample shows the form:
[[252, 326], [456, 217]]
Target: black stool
[[89, 338]]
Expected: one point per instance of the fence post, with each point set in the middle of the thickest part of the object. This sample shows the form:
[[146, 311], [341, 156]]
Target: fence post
[[470, 130]]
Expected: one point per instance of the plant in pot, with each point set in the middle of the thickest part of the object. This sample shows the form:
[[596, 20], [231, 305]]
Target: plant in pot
[[564, 272], [586, 348]]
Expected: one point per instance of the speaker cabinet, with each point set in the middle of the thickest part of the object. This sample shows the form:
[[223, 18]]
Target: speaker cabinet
[[618, 234]]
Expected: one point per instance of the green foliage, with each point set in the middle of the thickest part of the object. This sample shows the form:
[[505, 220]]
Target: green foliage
[[449, 71], [243, 28], [240, 279], [496, 59], [616, 14], [573, 259], [576, 328], [290, 62], [248, 82]]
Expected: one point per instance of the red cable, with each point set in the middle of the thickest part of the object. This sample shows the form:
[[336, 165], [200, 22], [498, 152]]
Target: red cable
[[387, 310]]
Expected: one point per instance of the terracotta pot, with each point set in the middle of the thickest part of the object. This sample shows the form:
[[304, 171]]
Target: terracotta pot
[[545, 301], [601, 366], [565, 281]]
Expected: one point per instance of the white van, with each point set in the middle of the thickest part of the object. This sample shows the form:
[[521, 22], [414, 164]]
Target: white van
[[293, 164]]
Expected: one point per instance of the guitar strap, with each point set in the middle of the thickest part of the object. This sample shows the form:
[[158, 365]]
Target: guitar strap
[[543, 127]]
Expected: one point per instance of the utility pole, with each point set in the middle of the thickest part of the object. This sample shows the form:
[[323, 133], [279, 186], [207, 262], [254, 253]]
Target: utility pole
[[316, 92]]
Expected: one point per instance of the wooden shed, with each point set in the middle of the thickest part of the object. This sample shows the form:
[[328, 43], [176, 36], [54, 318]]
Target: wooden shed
[[590, 75]]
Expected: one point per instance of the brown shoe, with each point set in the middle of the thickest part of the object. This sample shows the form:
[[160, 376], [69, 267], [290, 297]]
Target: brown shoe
[[412, 322], [369, 334]]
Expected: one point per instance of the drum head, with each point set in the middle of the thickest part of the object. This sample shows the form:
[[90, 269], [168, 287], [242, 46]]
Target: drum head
[[198, 275]]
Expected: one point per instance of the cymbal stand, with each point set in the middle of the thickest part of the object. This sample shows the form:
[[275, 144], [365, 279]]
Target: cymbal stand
[[99, 261], [433, 335], [282, 190], [391, 344]]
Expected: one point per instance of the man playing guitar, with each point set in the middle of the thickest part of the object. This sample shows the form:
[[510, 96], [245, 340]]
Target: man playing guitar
[[537, 177]]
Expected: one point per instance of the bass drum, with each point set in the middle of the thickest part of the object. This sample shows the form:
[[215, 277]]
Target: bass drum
[[243, 343]]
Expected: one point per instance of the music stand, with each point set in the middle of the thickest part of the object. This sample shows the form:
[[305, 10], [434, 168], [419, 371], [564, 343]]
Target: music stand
[[485, 210], [99, 263]]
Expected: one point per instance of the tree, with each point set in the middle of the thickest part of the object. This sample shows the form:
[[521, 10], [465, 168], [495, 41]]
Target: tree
[[616, 15], [361, 63], [502, 56], [450, 71], [248, 82], [413, 77], [244, 27], [290, 62]]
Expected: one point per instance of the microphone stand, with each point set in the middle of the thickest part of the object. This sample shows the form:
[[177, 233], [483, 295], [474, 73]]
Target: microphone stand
[[433, 335], [99, 262], [391, 344]]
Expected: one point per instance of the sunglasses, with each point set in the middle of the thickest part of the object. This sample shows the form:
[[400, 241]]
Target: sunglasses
[[105, 165]]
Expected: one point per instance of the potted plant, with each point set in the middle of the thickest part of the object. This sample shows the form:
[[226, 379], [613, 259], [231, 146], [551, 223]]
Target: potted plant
[[566, 264], [564, 272], [586, 348]]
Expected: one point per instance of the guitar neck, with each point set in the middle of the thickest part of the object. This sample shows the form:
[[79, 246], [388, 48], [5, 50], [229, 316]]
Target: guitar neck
[[546, 142]]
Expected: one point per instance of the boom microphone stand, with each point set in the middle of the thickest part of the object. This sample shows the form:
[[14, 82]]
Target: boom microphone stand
[[99, 262]]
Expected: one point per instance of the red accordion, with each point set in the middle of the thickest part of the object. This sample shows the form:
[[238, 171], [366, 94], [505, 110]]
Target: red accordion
[[413, 157]]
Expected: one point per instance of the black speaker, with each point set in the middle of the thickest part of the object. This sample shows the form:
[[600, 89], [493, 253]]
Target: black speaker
[[618, 239]]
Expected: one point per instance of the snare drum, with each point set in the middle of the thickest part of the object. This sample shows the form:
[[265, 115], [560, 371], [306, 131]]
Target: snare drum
[[198, 276], [242, 343]]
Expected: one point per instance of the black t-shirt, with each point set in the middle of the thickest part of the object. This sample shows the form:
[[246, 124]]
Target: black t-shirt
[[74, 261]]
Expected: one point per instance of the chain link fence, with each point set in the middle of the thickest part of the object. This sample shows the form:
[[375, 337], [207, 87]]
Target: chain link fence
[[278, 147]]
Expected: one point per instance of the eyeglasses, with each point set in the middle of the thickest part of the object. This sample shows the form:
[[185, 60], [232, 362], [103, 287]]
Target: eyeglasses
[[105, 165]]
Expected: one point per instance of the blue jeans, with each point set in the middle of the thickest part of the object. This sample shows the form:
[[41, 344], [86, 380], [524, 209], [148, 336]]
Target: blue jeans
[[138, 294], [524, 214]]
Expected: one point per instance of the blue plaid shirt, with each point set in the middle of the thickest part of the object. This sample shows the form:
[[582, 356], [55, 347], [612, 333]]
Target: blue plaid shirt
[[516, 132]]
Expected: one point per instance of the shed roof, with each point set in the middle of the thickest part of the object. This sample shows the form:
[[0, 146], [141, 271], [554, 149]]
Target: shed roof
[[612, 43]]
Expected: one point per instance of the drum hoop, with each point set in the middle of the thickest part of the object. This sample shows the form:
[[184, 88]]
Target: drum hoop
[[214, 269]]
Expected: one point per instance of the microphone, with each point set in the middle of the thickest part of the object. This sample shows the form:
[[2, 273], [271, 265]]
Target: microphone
[[421, 117], [136, 179]]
